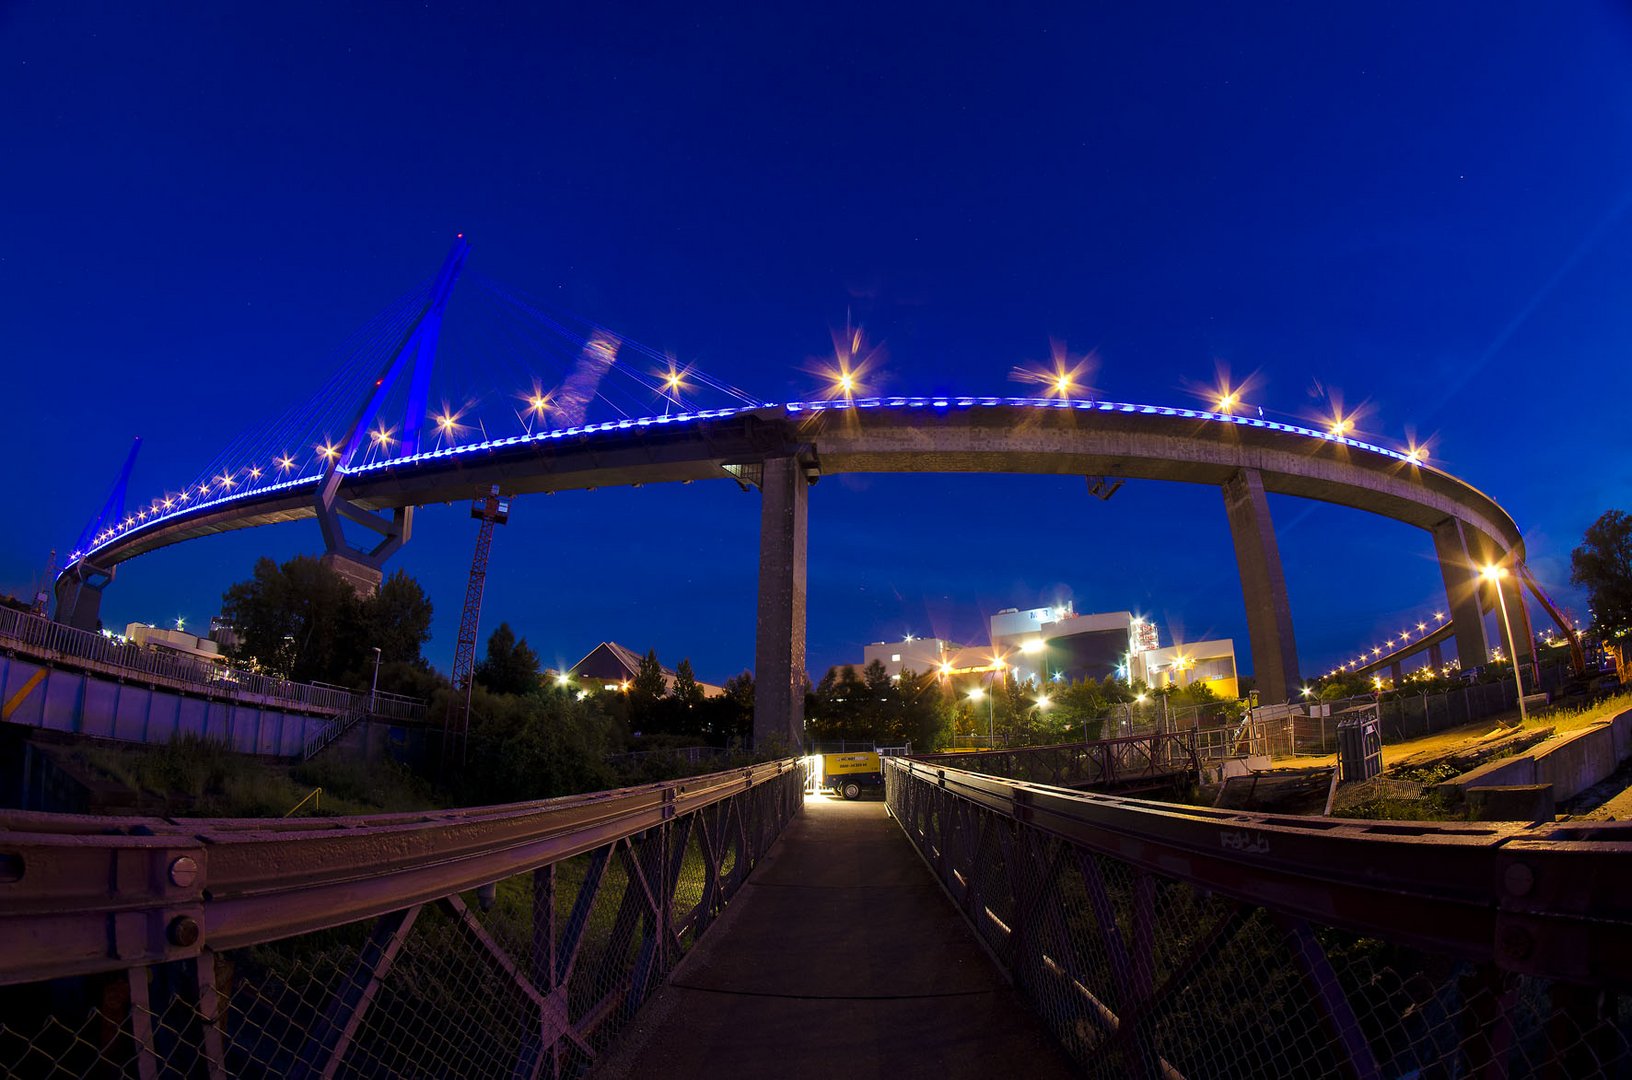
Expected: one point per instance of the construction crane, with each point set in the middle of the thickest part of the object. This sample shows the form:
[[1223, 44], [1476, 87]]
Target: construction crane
[[42, 595], [491, 509]]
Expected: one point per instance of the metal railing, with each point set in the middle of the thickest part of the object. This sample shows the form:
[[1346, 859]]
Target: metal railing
[[1156, 758], [330, 732], [1164, 940], [1245, 737], [52, 641], [503, 941]]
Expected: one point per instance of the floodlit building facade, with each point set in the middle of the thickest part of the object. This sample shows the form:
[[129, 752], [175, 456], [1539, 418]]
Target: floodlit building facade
[[1210, 662], [179, 642], [1056, 642], [915, 654], [1051, 644]]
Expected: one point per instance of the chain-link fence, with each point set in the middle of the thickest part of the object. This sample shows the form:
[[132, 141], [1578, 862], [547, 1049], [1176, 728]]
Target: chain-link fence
[[527, 974], [1155, 941]]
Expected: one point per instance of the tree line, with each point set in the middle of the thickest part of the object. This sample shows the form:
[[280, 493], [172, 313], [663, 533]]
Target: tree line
[[930, 710]]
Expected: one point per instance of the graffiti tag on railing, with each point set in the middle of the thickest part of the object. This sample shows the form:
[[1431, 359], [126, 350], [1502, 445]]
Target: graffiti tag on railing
[[1245, 841]]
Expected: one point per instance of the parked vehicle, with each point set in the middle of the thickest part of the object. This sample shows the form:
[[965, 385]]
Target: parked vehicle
[[847, 774]]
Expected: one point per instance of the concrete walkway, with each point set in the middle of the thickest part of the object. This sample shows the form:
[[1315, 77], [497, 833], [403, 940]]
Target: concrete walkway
[[841, 957]]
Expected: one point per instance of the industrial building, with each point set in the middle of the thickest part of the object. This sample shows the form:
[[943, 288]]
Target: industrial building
[[1210, 662], [1056, 643]]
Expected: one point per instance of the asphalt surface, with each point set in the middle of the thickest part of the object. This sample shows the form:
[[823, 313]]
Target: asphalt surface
[[840, 957]]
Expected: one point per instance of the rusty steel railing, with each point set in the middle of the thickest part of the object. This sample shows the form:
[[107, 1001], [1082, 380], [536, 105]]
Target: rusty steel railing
[[1151, 759], [1164, 940], [503, 941]]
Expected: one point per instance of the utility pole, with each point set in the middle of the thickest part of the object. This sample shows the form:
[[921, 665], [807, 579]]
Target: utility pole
[[490, 510]]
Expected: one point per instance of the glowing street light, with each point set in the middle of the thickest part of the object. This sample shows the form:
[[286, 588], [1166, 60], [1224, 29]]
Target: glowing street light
[[1494, 575]]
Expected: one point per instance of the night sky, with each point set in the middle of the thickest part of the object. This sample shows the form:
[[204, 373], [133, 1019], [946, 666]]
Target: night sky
[[1420, 210]]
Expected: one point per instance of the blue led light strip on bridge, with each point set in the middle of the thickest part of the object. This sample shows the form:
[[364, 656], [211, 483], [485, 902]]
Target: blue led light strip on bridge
[[132, 527]]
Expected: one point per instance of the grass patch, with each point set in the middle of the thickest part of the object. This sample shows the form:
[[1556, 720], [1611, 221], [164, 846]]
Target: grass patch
[[192, 776], [1431, 806], [1573, 718]]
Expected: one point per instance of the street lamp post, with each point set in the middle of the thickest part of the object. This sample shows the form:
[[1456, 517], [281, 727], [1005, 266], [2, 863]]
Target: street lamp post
[[374, 690], [975, 695], [1494, 575]]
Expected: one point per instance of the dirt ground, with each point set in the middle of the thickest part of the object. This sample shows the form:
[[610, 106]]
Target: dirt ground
[[1561, 721]]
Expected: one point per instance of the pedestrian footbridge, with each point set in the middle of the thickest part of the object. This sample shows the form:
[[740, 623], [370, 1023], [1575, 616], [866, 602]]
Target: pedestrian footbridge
[[740, 924]]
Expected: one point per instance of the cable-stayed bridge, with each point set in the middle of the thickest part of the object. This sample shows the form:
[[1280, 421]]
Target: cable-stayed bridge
[[1127, 937]]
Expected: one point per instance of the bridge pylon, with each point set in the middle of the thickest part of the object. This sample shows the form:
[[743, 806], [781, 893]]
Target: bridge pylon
[[363, 566], [779, 640], [79, 587]]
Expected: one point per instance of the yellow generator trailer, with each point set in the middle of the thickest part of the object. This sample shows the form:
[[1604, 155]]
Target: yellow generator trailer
[[848, 774]]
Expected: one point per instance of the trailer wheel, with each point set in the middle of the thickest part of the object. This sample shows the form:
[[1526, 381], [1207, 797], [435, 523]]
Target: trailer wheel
[[852, 790]]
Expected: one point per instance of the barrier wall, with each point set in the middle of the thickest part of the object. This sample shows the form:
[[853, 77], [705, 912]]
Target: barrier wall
[[80, 704], [1571, 764]]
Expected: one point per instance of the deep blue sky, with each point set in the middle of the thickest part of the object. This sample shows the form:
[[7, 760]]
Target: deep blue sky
[[1423, 207]]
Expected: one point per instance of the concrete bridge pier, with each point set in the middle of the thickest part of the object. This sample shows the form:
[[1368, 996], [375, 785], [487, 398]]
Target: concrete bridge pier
[[1482, 551], [1456, 567], [1263, 585], [1436, 657], [362, 568], [79, 595], [779, 641]]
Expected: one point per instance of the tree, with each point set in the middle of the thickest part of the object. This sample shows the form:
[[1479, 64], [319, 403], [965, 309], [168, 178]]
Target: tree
[[648, 683], [1603, 564], [299, 620], [536, 746], [509, 667], [649, 713], [686, 691], [397, 620]]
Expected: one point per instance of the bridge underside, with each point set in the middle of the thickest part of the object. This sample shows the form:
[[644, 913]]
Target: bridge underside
[[1251, 460]]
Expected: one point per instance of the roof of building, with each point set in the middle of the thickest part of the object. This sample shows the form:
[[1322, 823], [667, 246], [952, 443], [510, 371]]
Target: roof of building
[[621, 656]]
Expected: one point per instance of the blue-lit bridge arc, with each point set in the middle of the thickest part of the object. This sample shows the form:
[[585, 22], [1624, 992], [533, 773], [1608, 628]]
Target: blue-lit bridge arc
[[374, 479], [1247, 456]]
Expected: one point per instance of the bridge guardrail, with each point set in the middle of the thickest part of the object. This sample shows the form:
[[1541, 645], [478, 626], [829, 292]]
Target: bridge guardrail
[[45, 639], [1150, 758], [1165, 940], [494, 941]]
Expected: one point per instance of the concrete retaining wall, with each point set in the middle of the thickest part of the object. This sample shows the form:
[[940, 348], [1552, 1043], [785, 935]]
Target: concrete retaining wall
[[79, 704], [1570, 764]]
